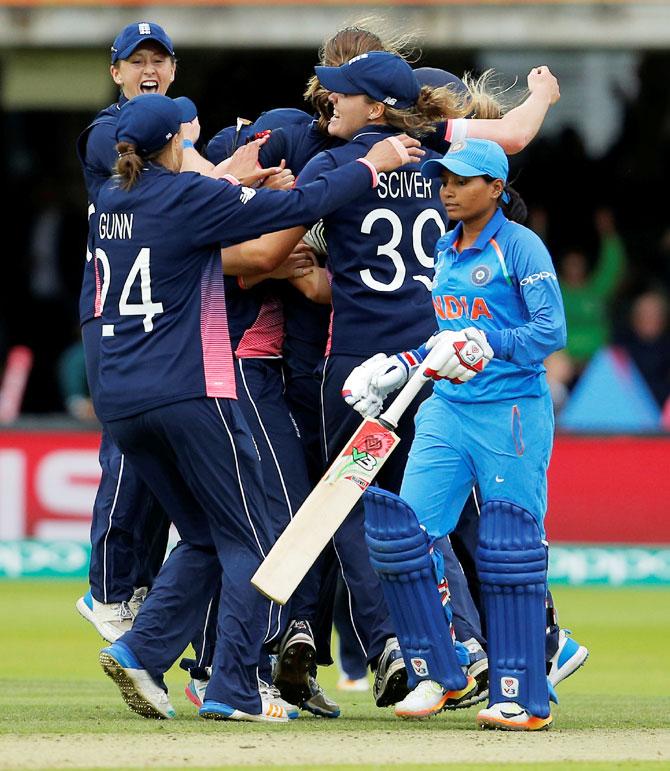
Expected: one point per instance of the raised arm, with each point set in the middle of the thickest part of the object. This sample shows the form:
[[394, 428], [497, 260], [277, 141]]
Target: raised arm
[[516, 129]]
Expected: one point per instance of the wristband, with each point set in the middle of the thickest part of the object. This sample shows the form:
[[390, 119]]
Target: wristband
[[372, 168], [186, 144]]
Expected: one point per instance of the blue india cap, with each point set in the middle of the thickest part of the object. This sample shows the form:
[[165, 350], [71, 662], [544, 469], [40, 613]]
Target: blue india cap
[[149, 121], [471, 158], [381, 75], [137, 33]]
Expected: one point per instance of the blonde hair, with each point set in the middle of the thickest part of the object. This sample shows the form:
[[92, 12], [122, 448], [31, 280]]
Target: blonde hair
[[429, 109], [368, 34], [487, 99]]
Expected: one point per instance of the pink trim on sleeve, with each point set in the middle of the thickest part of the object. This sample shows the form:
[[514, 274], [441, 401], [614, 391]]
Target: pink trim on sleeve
[[373, 171]]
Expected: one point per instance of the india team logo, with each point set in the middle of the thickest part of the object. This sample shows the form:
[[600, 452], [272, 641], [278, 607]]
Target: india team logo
[[420, 667], [480, 275], [510, 687]]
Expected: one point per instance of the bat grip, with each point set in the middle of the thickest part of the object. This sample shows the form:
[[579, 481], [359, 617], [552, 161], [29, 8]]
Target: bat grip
[[389, 418]]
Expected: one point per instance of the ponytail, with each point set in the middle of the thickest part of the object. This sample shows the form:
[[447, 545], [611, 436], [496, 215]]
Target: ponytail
[[128, 165]]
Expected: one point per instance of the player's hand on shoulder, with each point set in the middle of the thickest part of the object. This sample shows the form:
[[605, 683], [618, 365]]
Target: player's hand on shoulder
[[243, 164], [541, 80], [393, 152], [464, 354]]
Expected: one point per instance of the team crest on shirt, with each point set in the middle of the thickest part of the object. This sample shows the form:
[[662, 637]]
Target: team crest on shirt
[[481, 275]]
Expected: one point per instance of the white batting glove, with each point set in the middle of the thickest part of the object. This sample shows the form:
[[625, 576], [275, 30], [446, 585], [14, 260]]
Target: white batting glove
[[372, 381], [394, 372], [357, 389], [469, 355]]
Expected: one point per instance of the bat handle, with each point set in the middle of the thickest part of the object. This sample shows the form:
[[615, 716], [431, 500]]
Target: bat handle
[[392, 415]]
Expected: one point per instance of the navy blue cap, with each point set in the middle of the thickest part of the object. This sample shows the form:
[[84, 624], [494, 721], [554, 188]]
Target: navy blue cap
[[437, 78], [187, 108], [471, 158], [137, 33], [226, 141], [381, 75], [277, 118], [149, 121]]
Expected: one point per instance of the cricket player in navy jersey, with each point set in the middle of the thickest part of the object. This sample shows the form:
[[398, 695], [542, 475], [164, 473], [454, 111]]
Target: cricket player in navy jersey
[[499, 314], [379, 250], [129, 530], [410, 191], [166, 390]]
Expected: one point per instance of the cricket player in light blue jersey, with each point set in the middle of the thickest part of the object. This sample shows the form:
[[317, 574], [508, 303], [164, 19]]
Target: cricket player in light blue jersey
[[499, 312]]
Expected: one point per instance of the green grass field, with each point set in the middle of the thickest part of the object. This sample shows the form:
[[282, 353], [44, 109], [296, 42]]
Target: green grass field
[[57, 709]]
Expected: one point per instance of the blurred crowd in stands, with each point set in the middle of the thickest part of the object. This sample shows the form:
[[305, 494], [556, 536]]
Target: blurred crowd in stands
[[605, 221]]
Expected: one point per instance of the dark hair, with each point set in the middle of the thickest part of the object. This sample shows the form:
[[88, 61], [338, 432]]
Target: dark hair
[[515, 209]]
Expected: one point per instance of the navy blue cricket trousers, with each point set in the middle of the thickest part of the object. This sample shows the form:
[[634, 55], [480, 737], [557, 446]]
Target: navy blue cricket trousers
[[261, 401], [129, 529], [370, 617], [198, 458]]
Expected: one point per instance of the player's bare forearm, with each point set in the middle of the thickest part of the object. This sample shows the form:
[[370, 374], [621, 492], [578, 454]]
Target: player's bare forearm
[[315, 286], [193, 161], [260, 255]]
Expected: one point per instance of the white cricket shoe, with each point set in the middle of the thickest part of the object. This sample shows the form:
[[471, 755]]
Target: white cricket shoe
[[510, 716], [195, 691], [137, 600], [429, 698], [138, 688], [353, 684], [270, 695], [569, 657], [111, 620], [270, 713]]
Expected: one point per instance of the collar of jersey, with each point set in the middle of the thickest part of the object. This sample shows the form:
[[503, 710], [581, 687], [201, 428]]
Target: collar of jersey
[[375, 128], [492, 227]]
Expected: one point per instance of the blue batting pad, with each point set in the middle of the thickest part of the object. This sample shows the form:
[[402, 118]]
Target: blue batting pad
[[400, 555], [512, 566]]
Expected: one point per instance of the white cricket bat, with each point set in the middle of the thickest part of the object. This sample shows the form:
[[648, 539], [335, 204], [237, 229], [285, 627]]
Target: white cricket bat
[[329, 503]]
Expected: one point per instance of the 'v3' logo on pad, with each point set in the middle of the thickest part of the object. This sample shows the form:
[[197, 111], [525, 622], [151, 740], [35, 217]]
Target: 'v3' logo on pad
[[420, 667], [509, 686]]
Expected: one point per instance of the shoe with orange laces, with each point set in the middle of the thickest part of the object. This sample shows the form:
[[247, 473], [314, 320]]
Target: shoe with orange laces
[[510, 716], [429, 698], [270, 713]]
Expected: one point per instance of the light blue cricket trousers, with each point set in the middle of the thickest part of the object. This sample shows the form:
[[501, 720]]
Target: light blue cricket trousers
[[502, 446]]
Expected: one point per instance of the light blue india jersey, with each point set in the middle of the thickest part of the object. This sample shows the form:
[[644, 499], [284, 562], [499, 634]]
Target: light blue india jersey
[[506, 285]]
